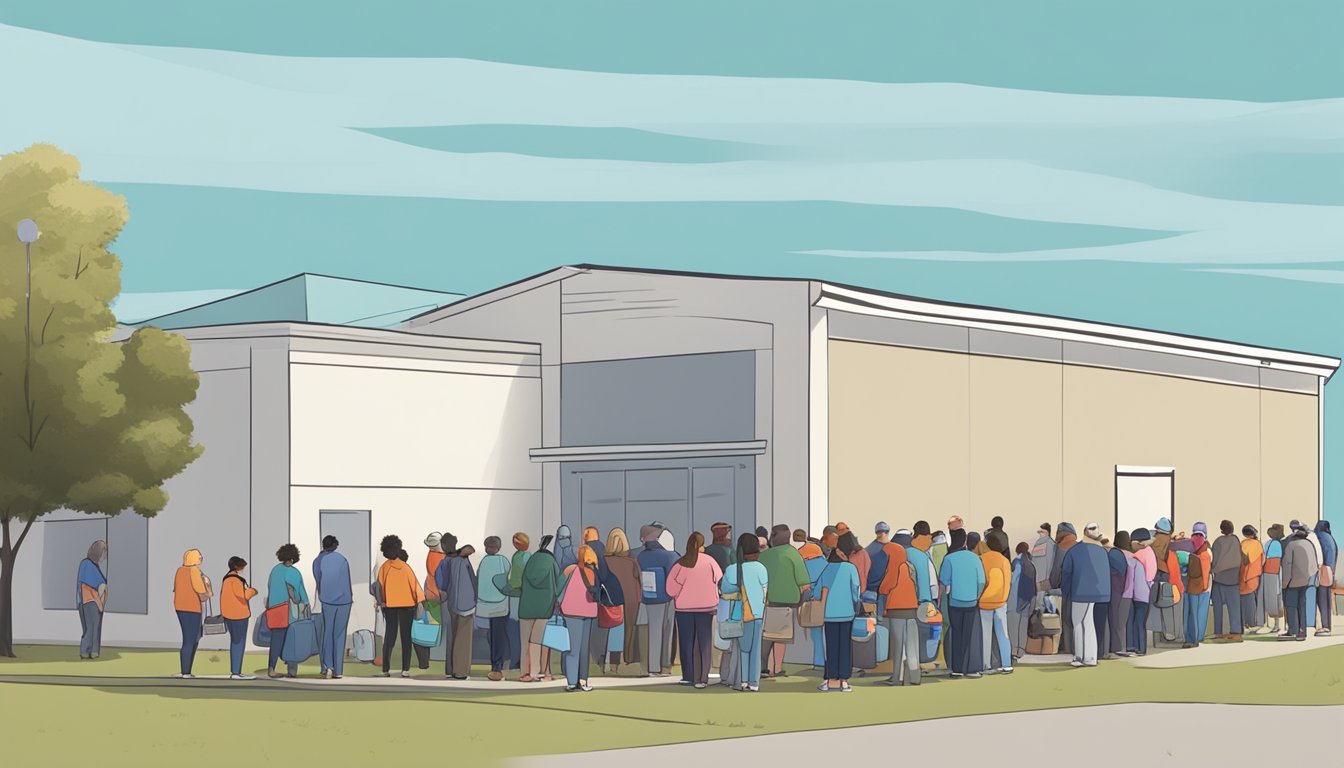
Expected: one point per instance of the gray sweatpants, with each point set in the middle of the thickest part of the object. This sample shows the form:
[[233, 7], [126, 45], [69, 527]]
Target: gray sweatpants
[[903, 637], [662, 618]]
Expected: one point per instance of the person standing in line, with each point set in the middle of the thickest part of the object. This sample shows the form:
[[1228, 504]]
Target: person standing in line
[[1248, 585], [721, 549], [435, 556], [1101, 616], [1121, 561], [1085, 579], [788, 580], [1043, 557], [402, 602], [235, 596], [693, 585], [815, 562], [1022, 600], [1228, 562], [458, 587], [1199, 585], [1325, 586], [517, 646], [565, 555], [283, 581], [91, 600], [721, 545], [578, 604], [1066, 537], [621, 563], [1299, 568], [839, 588], [923, 537], [994, 604], [877, 562], [655, 563], [1271, 580], [963, 578], [750, 581], [493, 605], [331, 572], [538, 591], [901, 598], [1139, 583], [191, 589]]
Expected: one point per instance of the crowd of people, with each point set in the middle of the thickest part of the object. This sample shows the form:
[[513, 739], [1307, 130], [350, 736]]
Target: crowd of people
[[737, 603]]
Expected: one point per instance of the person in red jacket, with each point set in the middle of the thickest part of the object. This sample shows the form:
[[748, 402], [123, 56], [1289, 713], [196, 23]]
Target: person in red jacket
[[899, 590]]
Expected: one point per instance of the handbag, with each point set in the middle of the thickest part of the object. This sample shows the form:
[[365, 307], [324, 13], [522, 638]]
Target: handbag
[[425, 634], [556, 635], [610, 616], [277, 616], [213, 625], [812, 614], [730, 628], [862, 628], [777, 626]]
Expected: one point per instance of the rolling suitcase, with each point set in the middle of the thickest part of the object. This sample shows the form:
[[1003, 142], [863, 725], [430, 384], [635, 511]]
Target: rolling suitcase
[[363, 646], [303, 640]]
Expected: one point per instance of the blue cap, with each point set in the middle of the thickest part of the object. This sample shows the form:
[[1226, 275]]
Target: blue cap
[[1163, 526], [882, 528]]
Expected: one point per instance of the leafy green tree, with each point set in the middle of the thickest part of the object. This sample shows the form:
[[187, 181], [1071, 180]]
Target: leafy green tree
[[85, 423]]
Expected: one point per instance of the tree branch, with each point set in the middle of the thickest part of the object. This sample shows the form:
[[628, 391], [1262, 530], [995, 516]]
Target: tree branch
[[26, 527], [79, 270], [38, 434], [42, 338]]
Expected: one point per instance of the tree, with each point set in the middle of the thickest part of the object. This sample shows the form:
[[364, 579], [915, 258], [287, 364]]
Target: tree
[[86, 423]]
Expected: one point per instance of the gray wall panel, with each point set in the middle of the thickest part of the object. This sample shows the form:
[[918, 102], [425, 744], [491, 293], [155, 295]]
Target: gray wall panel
[[901, 333], [1015, 345]]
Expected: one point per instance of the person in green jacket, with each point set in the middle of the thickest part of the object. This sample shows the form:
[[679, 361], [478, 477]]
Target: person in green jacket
[[536, 602], [515, 578], [788, 582]]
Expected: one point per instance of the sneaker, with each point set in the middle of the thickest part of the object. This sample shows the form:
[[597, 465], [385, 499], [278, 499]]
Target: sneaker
[[335, 677], [700, 686], [683, 682], [495, 677], [187, 676], [1299, 638], [1187, 645], [973, 675], [323, 674], [754, 688], [242, 677], [1005, 670], [405, 673], [585, 687], [956, 675], [844, 687], [1286, 636], [572, 689], [1319, 633], [1111, 657], [824, 687], [1076, 663]]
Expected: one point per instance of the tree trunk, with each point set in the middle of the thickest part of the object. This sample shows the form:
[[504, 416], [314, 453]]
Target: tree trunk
[[6, 598]]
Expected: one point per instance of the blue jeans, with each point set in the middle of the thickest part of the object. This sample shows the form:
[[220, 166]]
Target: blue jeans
[[237, 644], [818, 646], [1137, 640], [190, 621], [91, 619], [576, 658], [1196, 616], [335, 619], [994, 631], [277, 645], [499, 642], [839, 662], [1295, 610], [749, 651]]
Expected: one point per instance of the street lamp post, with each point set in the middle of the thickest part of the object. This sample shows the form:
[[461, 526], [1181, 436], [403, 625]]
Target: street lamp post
[[28, 235]]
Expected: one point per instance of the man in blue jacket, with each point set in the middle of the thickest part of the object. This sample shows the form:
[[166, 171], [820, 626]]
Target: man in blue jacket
[[963, 574], [655, 563], [1085, 581], [331, 573], [877, 557]]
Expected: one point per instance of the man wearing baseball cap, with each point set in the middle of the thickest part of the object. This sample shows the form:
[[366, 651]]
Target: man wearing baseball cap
[[877, 562]]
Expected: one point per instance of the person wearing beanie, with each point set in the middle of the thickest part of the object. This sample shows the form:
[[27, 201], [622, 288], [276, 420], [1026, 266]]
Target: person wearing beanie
[[721, 544], [1092, 532], [1300, 568], [923, 537], [1228, 562], [877, 561], [1085, 582], [814, 560], [1139, 587], [1066, 537], [963, 576], [829, 536], [1248, 580], [655, 563], [1198, 586], [1271, 580], [901, 597], [938, 549], [565, 554], [1043, 556], [456, 579]]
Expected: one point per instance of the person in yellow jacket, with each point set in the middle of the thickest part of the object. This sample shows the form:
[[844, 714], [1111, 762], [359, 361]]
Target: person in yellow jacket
[[994, 604], [191, 589], [1252, 568], [402, 600]]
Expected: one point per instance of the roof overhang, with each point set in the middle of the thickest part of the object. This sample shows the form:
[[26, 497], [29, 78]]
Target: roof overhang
[[858, 301]]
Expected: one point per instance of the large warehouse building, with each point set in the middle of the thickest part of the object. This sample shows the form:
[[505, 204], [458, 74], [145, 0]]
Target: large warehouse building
[[603, 396]]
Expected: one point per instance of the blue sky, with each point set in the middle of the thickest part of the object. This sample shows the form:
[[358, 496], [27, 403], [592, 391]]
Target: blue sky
[[1170, 165]]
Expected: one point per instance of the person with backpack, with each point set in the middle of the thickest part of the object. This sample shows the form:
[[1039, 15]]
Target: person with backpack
[[493, 605], [1271, 580], [402, 602], [1248, 582], [839, 588], [1022, 598], [693, 586], [788, 580], [1300, 568], [900, 601], [458, 586], [191, 590], [91, 600], [621, 634], [610, 595], [578, 604], [1228, 561], [749, 581], [331, 572], [814, 560], [994, 605], [539, 588], [655, 563], [235, 596], [283, 581], [1326, 583]]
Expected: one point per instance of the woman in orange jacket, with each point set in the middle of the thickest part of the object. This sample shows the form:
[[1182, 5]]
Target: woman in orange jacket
[[402, 597], [190, 590], [234, 596], [994, 603]]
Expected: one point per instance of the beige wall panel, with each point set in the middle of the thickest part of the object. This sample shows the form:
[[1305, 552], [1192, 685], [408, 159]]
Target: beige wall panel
[[1015, 459], [899, 446], [1208, 432], [1289, 445]]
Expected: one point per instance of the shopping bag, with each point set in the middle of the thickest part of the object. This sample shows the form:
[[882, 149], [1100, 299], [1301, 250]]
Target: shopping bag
[[556, 635]]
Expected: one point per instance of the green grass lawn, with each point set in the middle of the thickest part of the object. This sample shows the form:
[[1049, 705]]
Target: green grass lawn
[[58, 712]]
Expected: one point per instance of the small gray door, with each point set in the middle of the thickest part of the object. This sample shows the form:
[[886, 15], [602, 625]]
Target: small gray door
[[352, 528], [713, 499], [659, 495]]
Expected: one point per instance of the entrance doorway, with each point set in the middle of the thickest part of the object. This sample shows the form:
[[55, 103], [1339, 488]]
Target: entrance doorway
[[353, 529], [1144, 495]]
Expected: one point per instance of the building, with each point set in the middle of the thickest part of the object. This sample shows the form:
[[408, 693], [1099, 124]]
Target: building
[[600, 396]]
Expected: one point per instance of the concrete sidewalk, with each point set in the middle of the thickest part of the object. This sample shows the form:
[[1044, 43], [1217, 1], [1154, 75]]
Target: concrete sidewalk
[[429, 681]]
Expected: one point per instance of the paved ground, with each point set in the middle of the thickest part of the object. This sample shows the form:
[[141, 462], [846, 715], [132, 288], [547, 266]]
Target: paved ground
[[1253, 647], [1099, 737]]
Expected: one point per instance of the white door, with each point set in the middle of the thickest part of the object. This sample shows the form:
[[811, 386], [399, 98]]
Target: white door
[[1144, 495]]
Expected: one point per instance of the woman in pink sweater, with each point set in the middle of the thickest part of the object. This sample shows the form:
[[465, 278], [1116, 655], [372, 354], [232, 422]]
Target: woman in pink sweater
[[693, 586]]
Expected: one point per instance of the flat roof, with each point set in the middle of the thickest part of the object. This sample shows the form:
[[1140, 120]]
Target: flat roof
[[328, 332]]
